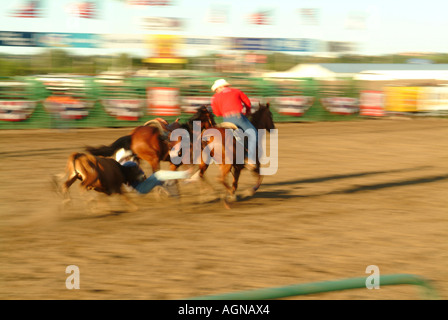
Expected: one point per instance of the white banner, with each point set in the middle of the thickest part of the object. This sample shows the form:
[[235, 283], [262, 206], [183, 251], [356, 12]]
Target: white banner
[[125, 109], [12, 110], [432, 99], [341, 105], [293, 105], [67, 107], [372, 103], [163, 101]]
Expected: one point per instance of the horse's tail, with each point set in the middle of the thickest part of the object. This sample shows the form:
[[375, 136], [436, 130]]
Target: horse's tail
[[84, 167], [107, 151], [71, 163]]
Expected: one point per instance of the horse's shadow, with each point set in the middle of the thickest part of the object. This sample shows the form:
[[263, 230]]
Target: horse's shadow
[[340, 176], [72, 214], [286, 194]]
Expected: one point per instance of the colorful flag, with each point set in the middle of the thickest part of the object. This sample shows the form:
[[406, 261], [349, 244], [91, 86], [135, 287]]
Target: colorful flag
[[28, 9], [261, 18], [84, 9]]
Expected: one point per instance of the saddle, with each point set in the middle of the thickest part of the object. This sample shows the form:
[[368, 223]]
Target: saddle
[[164, 127], [227, 125]]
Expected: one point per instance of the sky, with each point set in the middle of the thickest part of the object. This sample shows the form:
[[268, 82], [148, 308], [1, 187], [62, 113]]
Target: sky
[[389, 26]]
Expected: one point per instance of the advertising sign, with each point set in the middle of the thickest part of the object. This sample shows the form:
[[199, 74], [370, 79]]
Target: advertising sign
[[164, 48], [125, 109], [20, 110], [295, 106], [371, 103], [67, 40], [21, 39], [341, 105], [206, 43], [163, 101], [67, 107], [432, 99], [273, 44], [401, 99]]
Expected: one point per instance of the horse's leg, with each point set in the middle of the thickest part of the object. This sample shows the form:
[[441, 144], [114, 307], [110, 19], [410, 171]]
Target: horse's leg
[[66, 185], [148, 149], [259, 179], [205, 185], [152, 158], [202, 168], [236, 176], [225, 169]]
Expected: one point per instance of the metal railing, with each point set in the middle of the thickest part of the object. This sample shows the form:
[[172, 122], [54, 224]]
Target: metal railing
[[428, 290]]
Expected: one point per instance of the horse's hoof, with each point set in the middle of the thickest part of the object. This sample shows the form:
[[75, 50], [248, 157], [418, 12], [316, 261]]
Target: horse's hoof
[[249, 193], [250, 167], [231, 198], [226, 204]]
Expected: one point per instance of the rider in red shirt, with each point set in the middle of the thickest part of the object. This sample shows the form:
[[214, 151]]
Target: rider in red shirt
[[228, 102]]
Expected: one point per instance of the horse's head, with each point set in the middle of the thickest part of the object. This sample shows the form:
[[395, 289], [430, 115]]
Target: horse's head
[[262, 118], [205, 116]]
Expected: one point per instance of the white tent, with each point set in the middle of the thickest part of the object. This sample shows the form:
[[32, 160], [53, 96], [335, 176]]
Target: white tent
[[365, 71], [304, 71]]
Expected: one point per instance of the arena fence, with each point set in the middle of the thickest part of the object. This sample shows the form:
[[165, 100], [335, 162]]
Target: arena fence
[[428, 291], [77, 102]]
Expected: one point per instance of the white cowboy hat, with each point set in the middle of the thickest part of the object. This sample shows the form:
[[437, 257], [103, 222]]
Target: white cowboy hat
[[219, 83]]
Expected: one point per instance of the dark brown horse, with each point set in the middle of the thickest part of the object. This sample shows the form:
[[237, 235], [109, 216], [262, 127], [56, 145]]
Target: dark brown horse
[[104, 175], [261, 119], [150, 142]]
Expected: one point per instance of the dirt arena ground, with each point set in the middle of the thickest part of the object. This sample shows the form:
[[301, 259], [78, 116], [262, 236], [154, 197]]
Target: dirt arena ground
[[346, 195]]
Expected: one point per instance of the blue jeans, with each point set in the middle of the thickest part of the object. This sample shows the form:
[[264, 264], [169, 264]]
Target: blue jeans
[[243, 123], [147, 185]]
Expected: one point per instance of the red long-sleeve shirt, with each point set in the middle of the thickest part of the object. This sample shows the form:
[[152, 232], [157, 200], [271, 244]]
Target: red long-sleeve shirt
[[230, 101]]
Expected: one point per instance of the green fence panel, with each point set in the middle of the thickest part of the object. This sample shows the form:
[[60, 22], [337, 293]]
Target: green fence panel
[[25, 91], [94, 92]]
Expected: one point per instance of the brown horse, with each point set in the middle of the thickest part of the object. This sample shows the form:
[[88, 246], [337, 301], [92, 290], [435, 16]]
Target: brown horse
[[261, 119], [148, 141], [104, 175]]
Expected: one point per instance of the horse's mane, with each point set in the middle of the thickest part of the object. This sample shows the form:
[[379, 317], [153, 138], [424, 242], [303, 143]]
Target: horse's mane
[[198, 116], [187, 126], [262, 116], [257, 114]]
